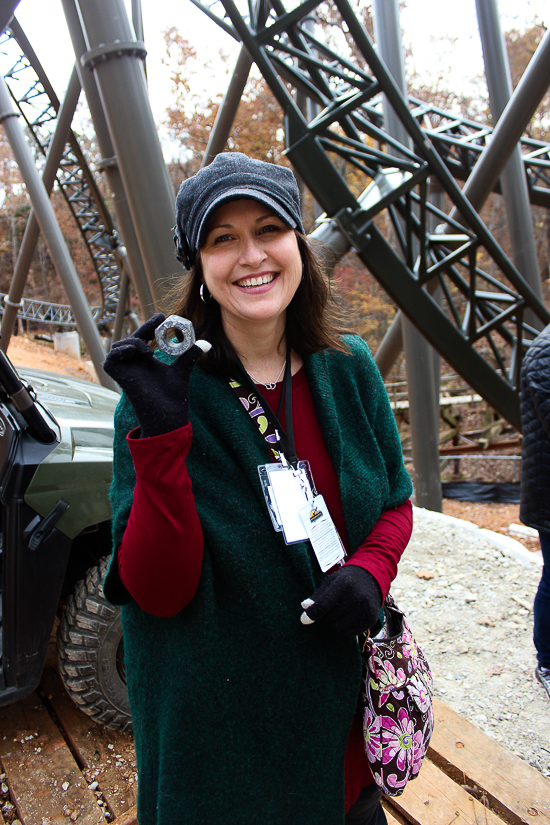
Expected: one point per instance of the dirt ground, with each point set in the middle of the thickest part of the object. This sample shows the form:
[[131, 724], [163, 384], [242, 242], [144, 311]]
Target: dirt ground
[[497, 517], [471, 609], [23, 351]]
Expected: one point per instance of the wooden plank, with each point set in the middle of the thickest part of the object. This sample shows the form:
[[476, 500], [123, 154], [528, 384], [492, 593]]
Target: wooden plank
[[434, 799], [516, 790], [107, 756], [392, 820], [42, 774]]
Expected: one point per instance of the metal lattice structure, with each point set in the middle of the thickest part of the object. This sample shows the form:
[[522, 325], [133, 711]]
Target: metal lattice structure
[[38, 104], [359, 174], [45, 312], [460, 142]]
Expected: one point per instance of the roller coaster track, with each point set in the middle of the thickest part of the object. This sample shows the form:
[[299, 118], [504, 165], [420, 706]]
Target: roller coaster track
[[44, 312], [479, 326], [38, 104], [460, 142]]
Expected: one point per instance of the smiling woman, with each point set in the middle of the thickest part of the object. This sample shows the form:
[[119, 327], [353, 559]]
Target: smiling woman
[[243, 222], [252, 267], [260, 507]]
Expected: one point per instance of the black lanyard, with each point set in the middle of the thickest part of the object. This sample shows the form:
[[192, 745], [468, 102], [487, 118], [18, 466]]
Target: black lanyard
[[286, 439]]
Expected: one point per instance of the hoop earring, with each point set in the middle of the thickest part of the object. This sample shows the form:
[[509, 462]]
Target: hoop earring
[[201, 293]]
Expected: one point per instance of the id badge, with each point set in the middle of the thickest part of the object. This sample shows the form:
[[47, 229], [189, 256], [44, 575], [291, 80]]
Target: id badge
[[287, 491], [322, 533]]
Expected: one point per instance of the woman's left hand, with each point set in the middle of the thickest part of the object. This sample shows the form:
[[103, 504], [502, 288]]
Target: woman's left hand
[[350, 599]]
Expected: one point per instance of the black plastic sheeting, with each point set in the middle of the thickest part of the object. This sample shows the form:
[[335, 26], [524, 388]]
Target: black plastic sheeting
[[500, 491]]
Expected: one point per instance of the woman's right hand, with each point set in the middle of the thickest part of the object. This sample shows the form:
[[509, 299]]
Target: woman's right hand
[[158, 392]]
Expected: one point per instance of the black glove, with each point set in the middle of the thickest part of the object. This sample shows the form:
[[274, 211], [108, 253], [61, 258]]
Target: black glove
[[158, 392], [350, 599]]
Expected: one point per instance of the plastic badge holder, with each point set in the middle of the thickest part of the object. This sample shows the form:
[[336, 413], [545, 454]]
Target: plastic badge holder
[[264, 471]]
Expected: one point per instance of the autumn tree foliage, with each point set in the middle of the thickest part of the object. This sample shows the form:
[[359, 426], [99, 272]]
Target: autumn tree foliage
[[258, 127]]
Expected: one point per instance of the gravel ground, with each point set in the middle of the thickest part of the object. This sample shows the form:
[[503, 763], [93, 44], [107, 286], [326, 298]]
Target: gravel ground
[[470, 608]]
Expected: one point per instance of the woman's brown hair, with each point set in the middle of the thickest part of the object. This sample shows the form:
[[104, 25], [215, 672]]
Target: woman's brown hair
[[312, 320]]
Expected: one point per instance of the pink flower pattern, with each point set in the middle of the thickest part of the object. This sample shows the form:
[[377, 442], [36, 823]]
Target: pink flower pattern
[[400, 740], [398, 715], [389, 679], [371, 732]]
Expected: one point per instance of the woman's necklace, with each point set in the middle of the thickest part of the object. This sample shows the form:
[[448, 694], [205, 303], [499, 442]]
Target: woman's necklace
[[271, 385]]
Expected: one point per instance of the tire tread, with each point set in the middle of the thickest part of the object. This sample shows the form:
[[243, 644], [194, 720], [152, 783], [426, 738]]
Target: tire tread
[[85, 621]]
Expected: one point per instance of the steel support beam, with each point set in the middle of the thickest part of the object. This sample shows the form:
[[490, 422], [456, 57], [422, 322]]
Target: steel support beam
[[228, 108], [480, 328], [391, 346], [328, 232], [512, 179], [114, 56], [137, 19], [388, 268], [419, 356], [231, 99], [7, 10], [509, 129], [32, 230], [109, 165], [137, 22], [52, 233], [511, 125], [122, 299]]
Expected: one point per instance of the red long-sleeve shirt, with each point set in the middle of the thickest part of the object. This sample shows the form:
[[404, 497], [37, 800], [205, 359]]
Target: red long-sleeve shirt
[[164, 515]]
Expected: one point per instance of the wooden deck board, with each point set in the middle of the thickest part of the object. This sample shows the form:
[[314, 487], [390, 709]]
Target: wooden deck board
[[463, 767], [516, 790], [392, 820], [434, 799], [96, 746], [38, 763]]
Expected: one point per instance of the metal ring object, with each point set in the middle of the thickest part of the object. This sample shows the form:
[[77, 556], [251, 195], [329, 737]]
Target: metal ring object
[[184, 331]]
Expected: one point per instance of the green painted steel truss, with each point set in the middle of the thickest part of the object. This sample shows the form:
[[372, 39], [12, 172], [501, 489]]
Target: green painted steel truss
[[38, 104], [356, 171]]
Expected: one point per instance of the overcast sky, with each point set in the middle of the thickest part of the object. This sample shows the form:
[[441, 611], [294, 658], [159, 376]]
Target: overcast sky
[[442, 35]]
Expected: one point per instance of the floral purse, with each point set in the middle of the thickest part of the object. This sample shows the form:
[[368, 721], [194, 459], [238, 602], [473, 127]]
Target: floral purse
[[397, 690]]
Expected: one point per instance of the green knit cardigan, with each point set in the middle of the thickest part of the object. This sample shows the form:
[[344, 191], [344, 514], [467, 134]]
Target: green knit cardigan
[[241, 713]]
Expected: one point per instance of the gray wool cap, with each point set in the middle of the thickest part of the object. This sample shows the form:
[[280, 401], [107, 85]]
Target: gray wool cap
[[229, 177]]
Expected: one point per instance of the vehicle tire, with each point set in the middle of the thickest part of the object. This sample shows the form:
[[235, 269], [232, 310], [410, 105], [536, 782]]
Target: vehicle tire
[[90, 653]]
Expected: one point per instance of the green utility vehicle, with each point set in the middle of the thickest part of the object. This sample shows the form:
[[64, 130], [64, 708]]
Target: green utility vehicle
[[56, 436]]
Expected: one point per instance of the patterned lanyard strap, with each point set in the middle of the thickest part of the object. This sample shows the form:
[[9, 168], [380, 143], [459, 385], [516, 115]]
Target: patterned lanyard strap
[[281, 443], [256, 411]]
